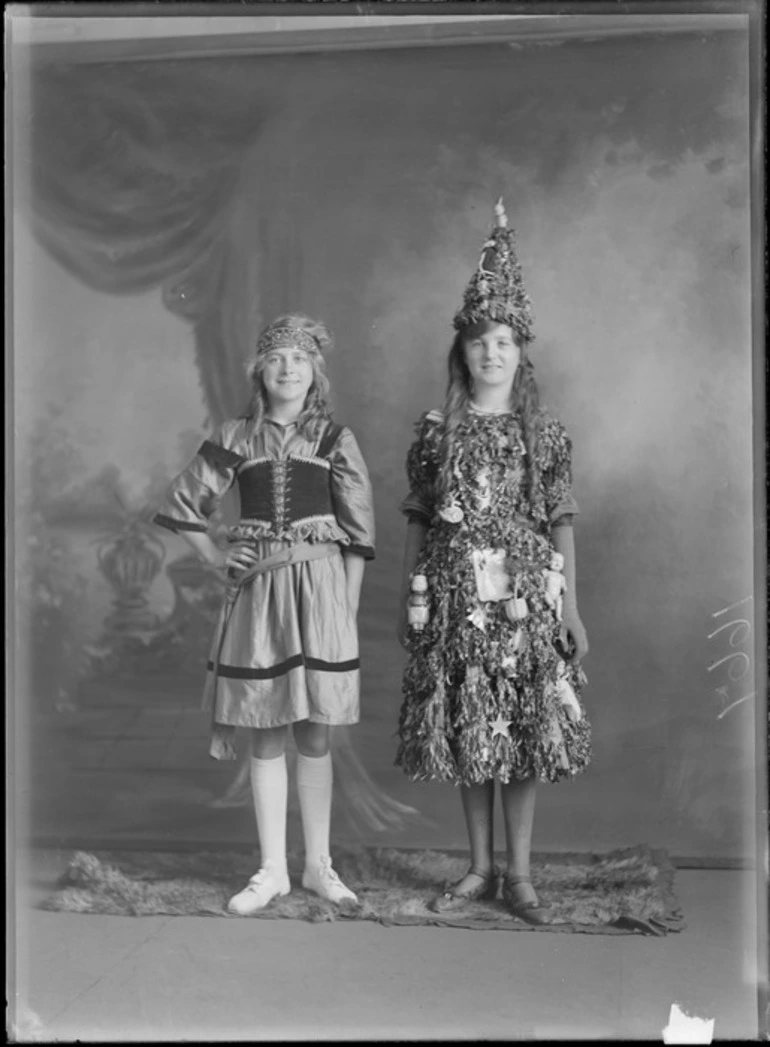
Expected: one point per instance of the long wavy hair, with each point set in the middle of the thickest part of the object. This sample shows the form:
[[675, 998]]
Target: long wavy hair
[[317, 409], [524, 398]]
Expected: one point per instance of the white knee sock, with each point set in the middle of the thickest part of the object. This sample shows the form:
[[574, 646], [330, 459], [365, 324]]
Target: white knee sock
[[314, 787], [269, 788]]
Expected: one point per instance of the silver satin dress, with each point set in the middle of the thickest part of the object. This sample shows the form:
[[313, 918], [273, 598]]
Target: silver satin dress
[[291, 647]]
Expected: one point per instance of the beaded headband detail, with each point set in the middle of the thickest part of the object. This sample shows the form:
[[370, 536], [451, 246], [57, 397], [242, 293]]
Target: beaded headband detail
[[286, 336]]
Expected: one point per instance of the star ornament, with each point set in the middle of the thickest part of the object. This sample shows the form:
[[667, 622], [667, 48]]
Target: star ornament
[[500, 726]]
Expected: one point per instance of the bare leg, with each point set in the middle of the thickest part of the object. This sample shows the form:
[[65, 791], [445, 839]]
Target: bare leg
[[268, 743], [312, 738], [518, 798], [478, 806]]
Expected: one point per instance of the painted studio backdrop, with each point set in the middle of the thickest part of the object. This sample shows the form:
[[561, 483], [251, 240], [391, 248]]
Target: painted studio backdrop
[[167, 210]]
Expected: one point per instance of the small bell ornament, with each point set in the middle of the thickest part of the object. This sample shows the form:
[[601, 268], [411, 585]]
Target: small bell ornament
[[516, 608], [417, 605]]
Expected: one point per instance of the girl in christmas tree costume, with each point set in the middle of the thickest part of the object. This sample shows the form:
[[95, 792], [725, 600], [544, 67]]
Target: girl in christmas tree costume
[[491, 691], [286, 651]]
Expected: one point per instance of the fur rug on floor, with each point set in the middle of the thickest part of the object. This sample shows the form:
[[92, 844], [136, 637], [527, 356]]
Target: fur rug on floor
[[628, 891]]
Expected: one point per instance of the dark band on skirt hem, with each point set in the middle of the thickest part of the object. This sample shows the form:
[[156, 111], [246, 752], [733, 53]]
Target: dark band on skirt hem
[[297, 661]]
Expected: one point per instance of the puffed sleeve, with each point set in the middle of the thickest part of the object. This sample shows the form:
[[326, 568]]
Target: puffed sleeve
[[422, 469], [352, 494], [557, 474], [194, 495]]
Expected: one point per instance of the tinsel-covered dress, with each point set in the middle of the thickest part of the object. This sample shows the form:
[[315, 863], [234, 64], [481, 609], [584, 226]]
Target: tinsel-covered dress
[[481, 692]]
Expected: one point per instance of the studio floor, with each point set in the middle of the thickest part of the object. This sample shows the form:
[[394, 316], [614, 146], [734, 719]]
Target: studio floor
[[107, 978], [129, 769]]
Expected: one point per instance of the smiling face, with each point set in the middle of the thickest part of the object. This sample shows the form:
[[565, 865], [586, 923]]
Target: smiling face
[[492, 356], [287, 375]]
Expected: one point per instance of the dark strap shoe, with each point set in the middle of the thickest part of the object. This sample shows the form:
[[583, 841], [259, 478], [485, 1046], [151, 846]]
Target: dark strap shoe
[[534, 913], [452, 900]]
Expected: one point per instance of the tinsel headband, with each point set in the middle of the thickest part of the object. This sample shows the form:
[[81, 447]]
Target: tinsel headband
[[286, 336], [496, 290]]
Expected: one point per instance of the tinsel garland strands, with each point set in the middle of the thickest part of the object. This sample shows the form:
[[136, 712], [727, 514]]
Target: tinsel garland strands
[[472, 712], [465, 669], [426, 728], [483, 439]]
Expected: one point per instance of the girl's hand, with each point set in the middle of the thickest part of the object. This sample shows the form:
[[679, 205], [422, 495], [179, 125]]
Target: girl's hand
[[239, 557], [402, 630], [573, 634]]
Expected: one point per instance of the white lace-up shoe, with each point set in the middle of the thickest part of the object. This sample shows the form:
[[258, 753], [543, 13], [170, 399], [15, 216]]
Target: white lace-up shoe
[[271, 881], [324, 881]]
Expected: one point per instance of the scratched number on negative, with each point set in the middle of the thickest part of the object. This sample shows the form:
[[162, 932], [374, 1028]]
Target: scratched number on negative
[[736, 631]]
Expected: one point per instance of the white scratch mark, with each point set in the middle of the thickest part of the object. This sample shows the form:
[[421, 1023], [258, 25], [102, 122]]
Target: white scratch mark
[[684, 1028], [746, 599], [737, 702]]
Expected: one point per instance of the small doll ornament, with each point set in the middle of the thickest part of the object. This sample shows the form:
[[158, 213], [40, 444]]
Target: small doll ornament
[[484, 490], [566, 694], [555, 584], [417, 610]]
